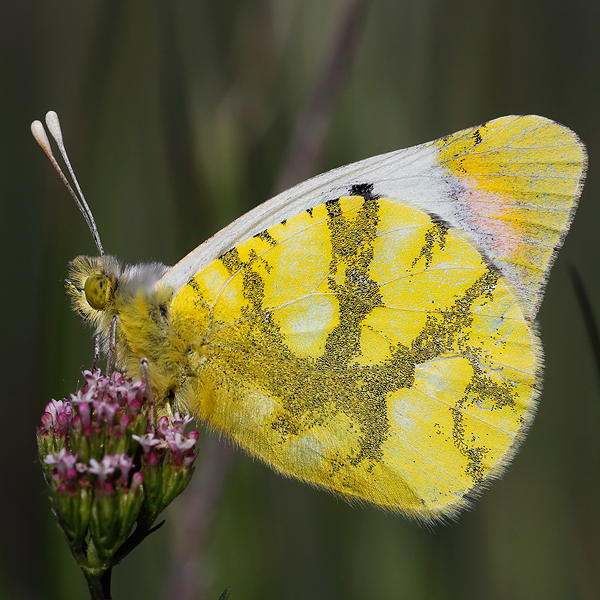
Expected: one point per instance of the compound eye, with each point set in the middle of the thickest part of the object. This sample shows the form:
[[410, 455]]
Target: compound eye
[[95, 288]]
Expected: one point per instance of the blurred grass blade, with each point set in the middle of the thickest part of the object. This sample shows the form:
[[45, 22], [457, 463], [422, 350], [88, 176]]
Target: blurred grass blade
[[591, 325], [225, 594], [312, 125]]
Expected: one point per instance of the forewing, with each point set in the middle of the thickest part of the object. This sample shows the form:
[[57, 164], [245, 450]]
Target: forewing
[[511, 185]]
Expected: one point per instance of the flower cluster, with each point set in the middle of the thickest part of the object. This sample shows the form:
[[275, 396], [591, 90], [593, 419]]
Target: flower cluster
[[110, 468]]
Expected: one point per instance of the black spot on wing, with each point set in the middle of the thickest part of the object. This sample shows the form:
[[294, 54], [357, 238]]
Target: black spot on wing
[[334, 208], [231, 260], [265, 236], [437, 219], [435, 239], [364, 190], [194, 285]]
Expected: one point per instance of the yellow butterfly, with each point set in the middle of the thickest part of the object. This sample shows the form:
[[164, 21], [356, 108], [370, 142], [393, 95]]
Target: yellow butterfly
[[370, 331]]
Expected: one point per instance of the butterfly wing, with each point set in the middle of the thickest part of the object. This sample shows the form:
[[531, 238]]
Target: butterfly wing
[[370, 330], [511, 185], [364, 348]]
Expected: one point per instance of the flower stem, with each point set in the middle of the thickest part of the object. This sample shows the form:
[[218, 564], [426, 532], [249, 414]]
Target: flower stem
[[99, 587], [105, 580]]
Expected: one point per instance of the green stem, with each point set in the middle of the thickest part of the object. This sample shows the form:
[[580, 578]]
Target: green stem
[[99, 584], [135, 539], [95, 588], [99, 587], [105, 580]]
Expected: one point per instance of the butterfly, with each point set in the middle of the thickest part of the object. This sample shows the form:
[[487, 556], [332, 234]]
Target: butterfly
[[370, 331]]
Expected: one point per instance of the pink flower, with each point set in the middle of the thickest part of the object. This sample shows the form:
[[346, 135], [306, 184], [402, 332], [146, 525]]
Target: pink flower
[[175, 423], [125, 464], [124, 423], [146, 441], [85, 414], [117, 378], [59, 407], [133, 392], [188, 458], [57, 416], [106, 410], [92, 377], [62, 461], [82, 396], [180, 421], [136, 480], [103, 469], [179, 444], [163, 425]]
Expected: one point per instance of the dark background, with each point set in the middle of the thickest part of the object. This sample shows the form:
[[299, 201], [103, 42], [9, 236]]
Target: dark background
[[181, 115]]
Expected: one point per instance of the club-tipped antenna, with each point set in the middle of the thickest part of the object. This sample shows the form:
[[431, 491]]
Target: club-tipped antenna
[[39, 133]]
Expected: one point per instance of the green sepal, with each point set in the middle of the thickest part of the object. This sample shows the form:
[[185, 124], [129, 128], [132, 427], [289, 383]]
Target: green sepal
[[130, 504], [103, 521], [81, 445], [116, 444], [95, 565], [175, 480], [153, 479]]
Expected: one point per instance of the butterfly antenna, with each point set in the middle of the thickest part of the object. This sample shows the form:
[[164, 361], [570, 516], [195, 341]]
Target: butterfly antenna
[[39, 133]]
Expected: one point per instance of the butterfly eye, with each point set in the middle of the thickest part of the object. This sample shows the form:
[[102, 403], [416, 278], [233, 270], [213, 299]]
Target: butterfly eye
[[95, 288]]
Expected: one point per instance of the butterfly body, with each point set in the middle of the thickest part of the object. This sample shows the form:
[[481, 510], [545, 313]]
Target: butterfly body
[[370, 331]]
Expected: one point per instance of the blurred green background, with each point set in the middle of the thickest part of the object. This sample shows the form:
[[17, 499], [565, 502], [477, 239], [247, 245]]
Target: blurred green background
[[180, 116]]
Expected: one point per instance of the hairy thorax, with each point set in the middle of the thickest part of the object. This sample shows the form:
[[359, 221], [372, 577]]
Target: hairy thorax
[[144, 327]]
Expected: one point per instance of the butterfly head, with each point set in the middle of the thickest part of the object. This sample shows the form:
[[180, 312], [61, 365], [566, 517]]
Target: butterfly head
[[92, 282]]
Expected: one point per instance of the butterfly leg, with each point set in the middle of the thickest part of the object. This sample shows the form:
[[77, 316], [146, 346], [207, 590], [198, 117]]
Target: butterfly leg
[[111, 343], [149, 394], [96, 351]]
